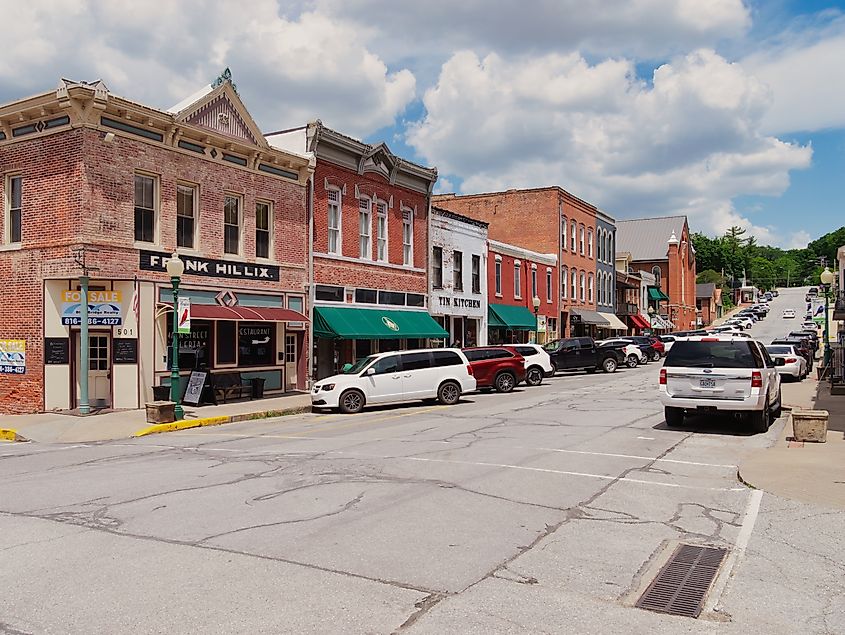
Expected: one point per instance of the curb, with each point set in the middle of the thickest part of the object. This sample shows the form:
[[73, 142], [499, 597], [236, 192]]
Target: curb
[[186, 424], [11, 435]]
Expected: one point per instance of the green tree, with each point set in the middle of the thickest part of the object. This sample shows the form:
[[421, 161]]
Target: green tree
[[709, 275]]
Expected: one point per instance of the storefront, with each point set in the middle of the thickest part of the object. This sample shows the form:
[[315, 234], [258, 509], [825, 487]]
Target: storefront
[[585, 323], [615, 327], [509, 324]]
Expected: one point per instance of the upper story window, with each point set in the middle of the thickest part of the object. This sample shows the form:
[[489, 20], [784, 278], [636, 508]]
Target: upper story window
[[498, 277], [563, 225], [476, 273], [534, 281], [517, 279], [611, 254], [564, 282], [263, 233], [437, 267], [548, 285], [145, 208], [590, 243], [573, 236], [655, 270], [582, 286], [590, 287], [231, 224], [408, 237], [573, 277], [14, 209], [600, 246], [334, 212], [365, 224], [186, 215], [381, 233], [581, 240], [458, 271]]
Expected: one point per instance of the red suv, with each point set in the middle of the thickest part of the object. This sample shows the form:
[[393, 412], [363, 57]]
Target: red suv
[[499, 367]]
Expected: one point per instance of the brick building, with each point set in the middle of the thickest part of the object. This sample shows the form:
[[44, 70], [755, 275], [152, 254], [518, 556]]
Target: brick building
[[370, 228], [91, 179], [708, 299], [662, 247]]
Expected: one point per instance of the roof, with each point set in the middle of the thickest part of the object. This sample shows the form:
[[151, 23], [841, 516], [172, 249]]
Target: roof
[[447, 196], [648, 238], [705, 290], [459, 217], [521, 253]]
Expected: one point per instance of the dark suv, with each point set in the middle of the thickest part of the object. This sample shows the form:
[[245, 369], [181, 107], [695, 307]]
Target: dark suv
[[499, 367], [581, 353]]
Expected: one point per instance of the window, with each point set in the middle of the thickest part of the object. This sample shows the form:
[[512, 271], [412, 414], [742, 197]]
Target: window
[[14, 205], [391, 297], [590, 287], [366, 296], [582, 281], [186, 209], [590, 243], [224, 332], [256, 343], [263, 223], [365, 223], [498, 276], [381, 236], [437, 267], [408, 237], [334, 221], [145, 208], [611, 254], [573, 235], [385, 365], [517, 281], [581, 240], [574, 287], [601, 287], [458, 271], [231, 224], [416, 361], [657, 273], [600, 238], [563, 224], [534, 281], [446, 358], [290, 348], [564, 281], [476, 273], [548, 285], [296, 303], [415, 299], [326, 293]]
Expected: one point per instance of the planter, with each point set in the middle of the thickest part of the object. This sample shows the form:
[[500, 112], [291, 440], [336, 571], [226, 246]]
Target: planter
[[161, 412], [810, 425]]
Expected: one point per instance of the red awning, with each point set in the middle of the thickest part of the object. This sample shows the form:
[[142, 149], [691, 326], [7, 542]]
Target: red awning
[[638, 320], [250, 313]]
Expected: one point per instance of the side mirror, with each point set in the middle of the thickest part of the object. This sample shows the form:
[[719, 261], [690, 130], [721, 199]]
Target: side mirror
[[345, 368], [370, 371], [780, 361]]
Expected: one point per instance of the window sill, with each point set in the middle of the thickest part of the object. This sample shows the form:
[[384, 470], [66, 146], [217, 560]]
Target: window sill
[[139, 244], [499, 295], [11, 247]]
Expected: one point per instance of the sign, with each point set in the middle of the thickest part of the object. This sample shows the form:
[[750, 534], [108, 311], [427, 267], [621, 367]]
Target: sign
[[125, 350], [155, 261], [184, 316], [461, 303], [193, 391], [56, 350], [541, 323], [104, 308], [13, 357], [393, 326]]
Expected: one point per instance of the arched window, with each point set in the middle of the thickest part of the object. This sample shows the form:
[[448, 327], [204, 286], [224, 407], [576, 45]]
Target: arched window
[[600, 233], [564, 281], [656, 271], [563, 226], [573, 277], [581, 240], [582, 279], [590, 287], [590, 243], [573, 236]]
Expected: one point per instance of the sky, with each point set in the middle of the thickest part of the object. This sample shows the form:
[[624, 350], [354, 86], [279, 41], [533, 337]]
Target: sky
[[729, 111]]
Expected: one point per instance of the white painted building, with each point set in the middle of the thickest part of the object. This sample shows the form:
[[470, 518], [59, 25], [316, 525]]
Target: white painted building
[[457, 277]]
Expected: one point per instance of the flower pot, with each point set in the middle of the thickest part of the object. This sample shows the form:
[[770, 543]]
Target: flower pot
[[810, 425]]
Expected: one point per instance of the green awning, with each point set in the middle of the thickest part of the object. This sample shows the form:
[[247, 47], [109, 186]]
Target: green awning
[[656, 294], [351, 323], [515, 318]]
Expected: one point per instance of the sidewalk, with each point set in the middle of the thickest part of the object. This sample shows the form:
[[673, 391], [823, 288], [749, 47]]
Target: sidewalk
[[808, 472], [64, 428]]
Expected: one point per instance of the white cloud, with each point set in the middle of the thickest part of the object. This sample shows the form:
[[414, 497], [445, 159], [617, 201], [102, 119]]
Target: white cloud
[[444, 186], [799, 240], [688, 143]]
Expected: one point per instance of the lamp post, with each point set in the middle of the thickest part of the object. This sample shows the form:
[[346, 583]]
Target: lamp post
[[826, 278], [651, 319], [175, 267], [535, 302]]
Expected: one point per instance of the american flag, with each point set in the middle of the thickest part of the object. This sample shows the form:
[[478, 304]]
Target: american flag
[[136, 304]]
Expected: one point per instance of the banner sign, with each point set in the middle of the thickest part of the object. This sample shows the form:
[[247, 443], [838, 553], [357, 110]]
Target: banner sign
[[13, 357], [153, 261], [104, 308], [183, 313]]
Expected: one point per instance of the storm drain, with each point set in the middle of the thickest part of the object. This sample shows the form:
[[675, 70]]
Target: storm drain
[[682, 583]]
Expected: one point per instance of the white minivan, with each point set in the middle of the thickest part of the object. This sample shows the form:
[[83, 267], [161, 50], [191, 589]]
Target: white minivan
[[441, 373]]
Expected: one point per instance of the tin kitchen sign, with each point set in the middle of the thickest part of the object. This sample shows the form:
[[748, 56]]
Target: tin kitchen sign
[[104, 308], [13, 357]]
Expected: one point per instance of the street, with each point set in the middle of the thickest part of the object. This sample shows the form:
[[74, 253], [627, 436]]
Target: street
[[546, 510]]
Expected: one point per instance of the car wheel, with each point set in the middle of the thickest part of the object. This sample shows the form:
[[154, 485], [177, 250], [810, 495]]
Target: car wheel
[[632, 361], [655, 356], [449, 393], [351, 402], [674, 416], [609, 365], [505, 382], [554, 369], [760, 420], [534, 376]]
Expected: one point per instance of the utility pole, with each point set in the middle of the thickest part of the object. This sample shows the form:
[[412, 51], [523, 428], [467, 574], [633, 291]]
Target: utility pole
[[84, 347]]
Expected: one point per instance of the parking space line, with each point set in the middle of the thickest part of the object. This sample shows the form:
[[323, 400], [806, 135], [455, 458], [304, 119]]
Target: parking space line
[[632, 456]]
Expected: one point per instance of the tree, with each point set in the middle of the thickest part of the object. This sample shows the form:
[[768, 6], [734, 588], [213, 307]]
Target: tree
[[708, 275]]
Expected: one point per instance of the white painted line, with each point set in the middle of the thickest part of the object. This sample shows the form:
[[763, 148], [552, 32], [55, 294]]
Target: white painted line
[[26, 448], [631, 456], [646, 438], [752, 509]]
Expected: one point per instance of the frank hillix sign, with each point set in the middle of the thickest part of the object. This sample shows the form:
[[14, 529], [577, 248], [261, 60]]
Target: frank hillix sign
[[155, 261]]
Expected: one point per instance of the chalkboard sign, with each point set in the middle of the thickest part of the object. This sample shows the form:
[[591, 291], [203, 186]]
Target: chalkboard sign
[[125, 351], [56, 350], [193, 391]]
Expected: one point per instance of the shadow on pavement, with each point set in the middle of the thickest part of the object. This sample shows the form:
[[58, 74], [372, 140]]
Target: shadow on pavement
[[712, 424]]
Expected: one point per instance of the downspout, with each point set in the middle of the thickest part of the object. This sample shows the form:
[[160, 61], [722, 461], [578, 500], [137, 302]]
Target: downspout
[[311, 294]]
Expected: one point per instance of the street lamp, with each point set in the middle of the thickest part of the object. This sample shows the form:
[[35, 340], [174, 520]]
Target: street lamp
[[826, 278], [535, 301], [651, 318], [175, 268]]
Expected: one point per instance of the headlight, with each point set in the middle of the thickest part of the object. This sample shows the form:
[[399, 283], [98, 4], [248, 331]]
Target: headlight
[[328, 387]]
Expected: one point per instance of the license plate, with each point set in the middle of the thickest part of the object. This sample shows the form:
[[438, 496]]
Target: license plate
[[707, 383]]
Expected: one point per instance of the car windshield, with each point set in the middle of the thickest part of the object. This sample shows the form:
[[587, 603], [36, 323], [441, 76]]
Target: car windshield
[[718, 354], [358, 366], [779, 350], [551, 346]]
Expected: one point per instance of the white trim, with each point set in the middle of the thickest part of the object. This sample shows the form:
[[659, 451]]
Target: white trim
[[156, 207], [519, 252], [195, 188], [7, 211], [498, 257], [409, 222], [339, 228], [379, 217], [365, 254], [240, 199], [271, 212], [534, 266]]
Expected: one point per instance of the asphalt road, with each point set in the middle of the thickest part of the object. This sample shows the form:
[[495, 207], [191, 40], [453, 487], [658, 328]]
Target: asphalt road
[[546, 510]]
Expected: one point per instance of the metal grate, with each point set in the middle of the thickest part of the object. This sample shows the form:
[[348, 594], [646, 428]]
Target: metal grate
[[682, 583]]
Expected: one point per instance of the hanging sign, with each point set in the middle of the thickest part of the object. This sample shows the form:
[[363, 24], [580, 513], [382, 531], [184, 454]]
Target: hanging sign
[[104, 308], [13, 357], [183, 314]]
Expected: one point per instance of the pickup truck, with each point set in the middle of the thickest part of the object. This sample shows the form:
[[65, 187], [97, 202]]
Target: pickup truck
[[581, 353]]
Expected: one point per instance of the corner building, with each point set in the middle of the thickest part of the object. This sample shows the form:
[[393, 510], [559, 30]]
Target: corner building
[[98, 184]]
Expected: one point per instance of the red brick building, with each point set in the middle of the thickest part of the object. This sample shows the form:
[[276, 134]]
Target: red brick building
[[370, 229], [95, 183]]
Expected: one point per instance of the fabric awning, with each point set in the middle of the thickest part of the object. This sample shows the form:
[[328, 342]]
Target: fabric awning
[[590, 317], [662, 323], [639, 321], [615, 323], [352, 323], [250, 313], [515, 318], [656, 294]]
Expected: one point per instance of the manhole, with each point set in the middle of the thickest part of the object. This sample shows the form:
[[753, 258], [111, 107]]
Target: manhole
[[682, 583]]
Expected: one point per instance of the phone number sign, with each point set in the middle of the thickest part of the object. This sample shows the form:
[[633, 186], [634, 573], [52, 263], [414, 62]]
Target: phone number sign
[[13, 357], [104, 308]]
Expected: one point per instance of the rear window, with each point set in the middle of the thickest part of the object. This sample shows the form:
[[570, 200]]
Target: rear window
[[714, 355], [526, 351], [446, 358], [779, 350]]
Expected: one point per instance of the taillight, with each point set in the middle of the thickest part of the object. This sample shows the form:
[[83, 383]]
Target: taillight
[[662, 376], [790, 360], [756, 379], [469, 370]]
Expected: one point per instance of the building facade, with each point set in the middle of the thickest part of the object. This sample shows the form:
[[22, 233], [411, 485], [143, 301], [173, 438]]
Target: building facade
[[708, 298], [99, 185], [458, 277], [605, 252]]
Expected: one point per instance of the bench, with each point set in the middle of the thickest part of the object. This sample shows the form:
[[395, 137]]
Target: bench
[[227, 385]]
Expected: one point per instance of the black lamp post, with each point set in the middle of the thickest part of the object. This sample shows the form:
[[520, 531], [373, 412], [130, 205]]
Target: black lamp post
[[827, 277], [535, 301], [175, 268]]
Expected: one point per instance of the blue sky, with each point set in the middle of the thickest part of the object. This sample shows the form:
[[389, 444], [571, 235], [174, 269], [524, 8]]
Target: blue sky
[[730, 111]]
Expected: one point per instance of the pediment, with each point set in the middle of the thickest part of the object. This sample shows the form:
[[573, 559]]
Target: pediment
[[222, 111]]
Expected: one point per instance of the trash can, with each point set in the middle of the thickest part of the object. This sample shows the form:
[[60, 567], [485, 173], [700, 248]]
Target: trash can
[[161, 393], [257, 387]]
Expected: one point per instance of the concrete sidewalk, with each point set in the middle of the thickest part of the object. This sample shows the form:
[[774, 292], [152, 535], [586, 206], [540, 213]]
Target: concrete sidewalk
[[65, 428], [808, 472]]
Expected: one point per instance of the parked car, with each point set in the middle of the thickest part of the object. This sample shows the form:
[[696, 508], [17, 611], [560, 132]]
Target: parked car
[[795, 365], [499, 367], [631, 353], [788, 314], [538, 364], [811, 335], [443, 374], [651, 346], [802, 345], [720, 374], [775, 292], [669, 340], [813, 291], [742, 322], [810, 325], [581, 353]]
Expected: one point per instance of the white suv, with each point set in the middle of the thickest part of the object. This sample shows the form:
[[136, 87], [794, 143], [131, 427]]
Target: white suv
[[724, 374], [538, 363], [441, 373]]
